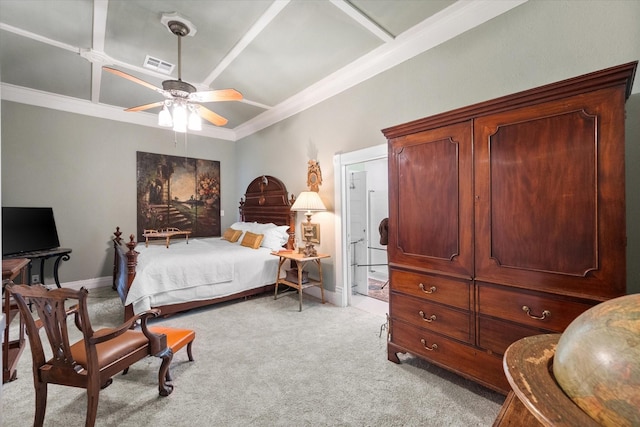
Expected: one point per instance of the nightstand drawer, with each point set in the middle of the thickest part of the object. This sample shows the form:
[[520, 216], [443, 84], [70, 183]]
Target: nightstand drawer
[[434, 317], [545, 311], [433, 288]]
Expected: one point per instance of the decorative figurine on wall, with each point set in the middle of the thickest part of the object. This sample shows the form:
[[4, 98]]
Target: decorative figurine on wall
[[314, 176]]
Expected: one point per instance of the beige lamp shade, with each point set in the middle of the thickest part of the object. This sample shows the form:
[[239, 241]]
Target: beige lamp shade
[[308, 201]]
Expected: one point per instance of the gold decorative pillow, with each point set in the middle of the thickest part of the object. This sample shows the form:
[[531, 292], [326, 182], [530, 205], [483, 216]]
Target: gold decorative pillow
[[231, 235], [252, 240]]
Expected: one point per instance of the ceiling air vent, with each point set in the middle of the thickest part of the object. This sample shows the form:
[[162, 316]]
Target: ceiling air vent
[[158, 65]]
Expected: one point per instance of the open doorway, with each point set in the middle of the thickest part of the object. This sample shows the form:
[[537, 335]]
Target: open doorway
[[364, 203], [367, 205]]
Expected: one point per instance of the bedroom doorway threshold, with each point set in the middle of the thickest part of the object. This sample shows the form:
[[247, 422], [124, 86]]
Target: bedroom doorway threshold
[[370, 305]]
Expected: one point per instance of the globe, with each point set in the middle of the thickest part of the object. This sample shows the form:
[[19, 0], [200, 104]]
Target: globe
[[597, 361]]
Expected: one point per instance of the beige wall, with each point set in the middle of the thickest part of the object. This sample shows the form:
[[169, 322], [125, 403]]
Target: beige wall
[[85, 167]]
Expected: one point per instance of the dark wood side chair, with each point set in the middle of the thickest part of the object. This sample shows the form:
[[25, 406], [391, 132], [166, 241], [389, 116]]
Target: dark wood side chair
[[92, 361]]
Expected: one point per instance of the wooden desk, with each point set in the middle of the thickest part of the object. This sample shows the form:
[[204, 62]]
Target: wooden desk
[[167, 234], [11, 350], [301, 261]]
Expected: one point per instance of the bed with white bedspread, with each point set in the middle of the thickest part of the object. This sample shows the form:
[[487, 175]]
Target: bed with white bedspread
[[205, 271]]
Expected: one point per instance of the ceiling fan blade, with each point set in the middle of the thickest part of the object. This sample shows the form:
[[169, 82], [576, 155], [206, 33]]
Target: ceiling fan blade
[[216, 95], [146, 106], [132, 78], [211, 117]]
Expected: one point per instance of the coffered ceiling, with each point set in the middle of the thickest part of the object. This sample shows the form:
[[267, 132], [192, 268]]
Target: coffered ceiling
[[282, 55]]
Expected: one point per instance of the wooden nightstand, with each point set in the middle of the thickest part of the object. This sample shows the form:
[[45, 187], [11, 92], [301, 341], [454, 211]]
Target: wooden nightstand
[[300, 260]]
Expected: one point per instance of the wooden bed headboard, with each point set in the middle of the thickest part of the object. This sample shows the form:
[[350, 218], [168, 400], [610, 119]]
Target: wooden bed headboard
[[267, 200]]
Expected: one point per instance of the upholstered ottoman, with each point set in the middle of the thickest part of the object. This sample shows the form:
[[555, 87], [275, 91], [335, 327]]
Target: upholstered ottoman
[[176, 339]]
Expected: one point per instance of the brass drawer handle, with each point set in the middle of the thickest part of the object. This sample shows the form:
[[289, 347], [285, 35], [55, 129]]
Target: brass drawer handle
[[427, 319], [545, 313], [433, 346], [430, 291]]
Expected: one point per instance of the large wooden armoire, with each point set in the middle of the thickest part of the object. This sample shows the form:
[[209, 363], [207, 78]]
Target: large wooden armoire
[[506, 219]]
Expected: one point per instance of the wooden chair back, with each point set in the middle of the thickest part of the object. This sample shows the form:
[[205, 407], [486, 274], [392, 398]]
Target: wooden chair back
[[50, 307]]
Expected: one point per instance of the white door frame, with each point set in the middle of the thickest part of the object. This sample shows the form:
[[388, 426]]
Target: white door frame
[[340, 163], [357, 277]]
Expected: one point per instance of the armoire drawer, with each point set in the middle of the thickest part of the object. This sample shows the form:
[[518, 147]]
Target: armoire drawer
[[497, 335], [434, 317], [433, 288], [545, 311], [471, 362]]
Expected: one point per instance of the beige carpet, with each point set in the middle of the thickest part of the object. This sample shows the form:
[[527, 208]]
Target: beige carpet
[[260, 362]]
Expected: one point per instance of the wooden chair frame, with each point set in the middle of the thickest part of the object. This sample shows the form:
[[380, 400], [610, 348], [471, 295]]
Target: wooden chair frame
[[91, 362]]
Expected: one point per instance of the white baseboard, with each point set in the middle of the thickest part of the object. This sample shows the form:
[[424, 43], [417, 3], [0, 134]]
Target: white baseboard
[[98, 282], [330, 297]]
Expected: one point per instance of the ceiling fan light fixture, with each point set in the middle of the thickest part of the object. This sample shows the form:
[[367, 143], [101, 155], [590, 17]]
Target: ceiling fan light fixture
[[164, 118], [179, 118], [185, 116], [195, 122]]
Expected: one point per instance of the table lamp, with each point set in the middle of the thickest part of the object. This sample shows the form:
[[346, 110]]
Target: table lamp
[[308, 201]]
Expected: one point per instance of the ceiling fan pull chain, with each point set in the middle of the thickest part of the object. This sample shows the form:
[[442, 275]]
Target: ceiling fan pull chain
[[180, 57]]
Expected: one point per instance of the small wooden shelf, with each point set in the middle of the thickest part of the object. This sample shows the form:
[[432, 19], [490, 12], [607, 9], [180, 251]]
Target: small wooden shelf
[[311, 282], [12, 349], [11, 314]]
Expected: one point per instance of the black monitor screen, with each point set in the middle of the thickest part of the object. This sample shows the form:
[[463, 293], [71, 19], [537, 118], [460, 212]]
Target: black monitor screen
[[27, 230]]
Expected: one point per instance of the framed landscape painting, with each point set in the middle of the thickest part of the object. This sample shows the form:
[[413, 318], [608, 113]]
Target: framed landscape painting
[[178, 192]]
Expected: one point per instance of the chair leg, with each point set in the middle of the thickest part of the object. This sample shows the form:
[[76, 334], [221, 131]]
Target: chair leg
[[93, 392], [189, 351], [164, 388], [41, 404]]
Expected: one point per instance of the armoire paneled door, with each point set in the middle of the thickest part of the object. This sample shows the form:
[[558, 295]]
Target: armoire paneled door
[[506, 219]]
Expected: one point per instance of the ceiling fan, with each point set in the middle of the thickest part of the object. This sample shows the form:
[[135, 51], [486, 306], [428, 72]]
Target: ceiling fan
[[182, 96]]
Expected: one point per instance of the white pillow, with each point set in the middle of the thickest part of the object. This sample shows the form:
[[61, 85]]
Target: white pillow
[[244, 226], [259, 228], [274, 239], [283, 230]]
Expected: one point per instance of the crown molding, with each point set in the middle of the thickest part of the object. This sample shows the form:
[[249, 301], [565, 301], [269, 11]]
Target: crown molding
[[74, 105]]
